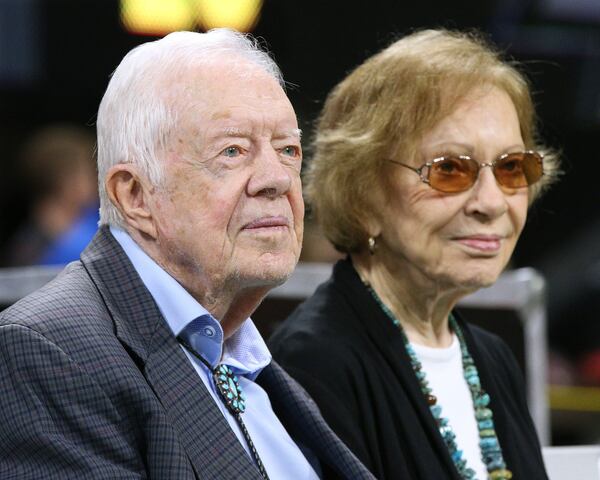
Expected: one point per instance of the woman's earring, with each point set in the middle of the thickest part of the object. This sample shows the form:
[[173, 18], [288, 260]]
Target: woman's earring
[[372, 245]]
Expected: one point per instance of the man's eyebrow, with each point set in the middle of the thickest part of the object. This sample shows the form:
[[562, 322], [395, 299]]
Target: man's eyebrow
[[238, 132], [295, 132], [234, 132]]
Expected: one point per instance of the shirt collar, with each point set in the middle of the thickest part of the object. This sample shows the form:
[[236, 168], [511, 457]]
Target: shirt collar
[[245, 351]]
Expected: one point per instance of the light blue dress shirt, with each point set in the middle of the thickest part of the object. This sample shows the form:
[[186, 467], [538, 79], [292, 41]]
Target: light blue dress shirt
[[245, 352]]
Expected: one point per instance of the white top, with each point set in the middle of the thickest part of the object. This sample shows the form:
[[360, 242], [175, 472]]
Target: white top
[[444, 372]]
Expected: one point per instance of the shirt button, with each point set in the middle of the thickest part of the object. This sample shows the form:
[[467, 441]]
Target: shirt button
[[209, 331]]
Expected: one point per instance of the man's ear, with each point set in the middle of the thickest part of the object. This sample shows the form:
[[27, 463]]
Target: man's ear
[[130, 192]]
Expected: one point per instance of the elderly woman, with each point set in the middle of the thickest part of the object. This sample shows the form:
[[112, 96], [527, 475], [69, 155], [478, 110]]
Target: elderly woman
[[426, 161]]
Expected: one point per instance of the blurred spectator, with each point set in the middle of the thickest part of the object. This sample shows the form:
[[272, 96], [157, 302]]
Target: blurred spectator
[[57, 170]]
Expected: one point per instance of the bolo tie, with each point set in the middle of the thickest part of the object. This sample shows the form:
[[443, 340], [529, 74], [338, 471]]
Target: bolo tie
[[232, 396]]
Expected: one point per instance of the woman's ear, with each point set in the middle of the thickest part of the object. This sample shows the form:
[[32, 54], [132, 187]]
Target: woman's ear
[[372, 224], [374, 229], [130, 192]]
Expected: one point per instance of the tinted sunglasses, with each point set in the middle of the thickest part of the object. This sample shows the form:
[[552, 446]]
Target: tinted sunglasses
[[457, 173]]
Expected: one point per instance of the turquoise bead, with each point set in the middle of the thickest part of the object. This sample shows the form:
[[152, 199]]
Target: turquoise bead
[[489, 456], [485, 424], [496, 464], [449, 437], [489, 443], [473, 380], [457, 455], [483, 414]]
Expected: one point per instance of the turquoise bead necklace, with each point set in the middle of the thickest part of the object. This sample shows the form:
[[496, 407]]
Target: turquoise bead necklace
[[491, 452]]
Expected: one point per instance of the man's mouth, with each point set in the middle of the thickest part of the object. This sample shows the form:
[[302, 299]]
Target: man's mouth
[[270, 222]]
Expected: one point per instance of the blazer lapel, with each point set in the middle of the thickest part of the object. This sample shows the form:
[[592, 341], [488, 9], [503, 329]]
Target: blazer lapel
[[303, 421], [212, 447]]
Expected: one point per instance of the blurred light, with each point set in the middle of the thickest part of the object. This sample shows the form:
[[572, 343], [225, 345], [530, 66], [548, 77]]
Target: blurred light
[[159, 17], [156, 17], [240, 15]]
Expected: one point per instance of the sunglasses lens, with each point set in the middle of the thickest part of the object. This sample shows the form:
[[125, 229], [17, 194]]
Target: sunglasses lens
[[453, 174], [518, 170]]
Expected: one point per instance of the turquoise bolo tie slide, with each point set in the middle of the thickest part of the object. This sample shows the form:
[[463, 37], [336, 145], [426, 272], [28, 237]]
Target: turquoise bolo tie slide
[[229, 388], [232, 396]]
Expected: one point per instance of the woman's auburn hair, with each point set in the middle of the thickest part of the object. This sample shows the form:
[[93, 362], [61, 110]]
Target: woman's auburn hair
[[383, 108]]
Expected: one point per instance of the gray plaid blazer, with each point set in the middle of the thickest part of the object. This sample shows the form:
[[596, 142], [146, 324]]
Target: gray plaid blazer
[[93, 385]]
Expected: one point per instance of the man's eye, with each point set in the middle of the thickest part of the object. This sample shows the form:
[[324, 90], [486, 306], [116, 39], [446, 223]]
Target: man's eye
[[232, 151], [291, 151]]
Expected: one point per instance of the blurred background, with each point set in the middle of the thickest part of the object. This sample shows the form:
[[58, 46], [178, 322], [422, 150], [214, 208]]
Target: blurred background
[[56, 57]]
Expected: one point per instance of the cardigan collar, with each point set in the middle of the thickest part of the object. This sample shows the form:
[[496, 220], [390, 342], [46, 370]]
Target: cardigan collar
[[383, 333]]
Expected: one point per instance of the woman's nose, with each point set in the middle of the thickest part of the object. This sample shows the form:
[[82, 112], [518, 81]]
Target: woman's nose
[[486, 198]]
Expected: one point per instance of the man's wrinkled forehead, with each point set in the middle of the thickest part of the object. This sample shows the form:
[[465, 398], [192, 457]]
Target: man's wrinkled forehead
[[228, 96], [198, 80]]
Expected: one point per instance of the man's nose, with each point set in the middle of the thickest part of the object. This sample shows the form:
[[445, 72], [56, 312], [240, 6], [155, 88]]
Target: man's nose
[[270, 177]]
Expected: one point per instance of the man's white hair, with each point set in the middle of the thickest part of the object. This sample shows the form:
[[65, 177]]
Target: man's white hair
[[136, 116]]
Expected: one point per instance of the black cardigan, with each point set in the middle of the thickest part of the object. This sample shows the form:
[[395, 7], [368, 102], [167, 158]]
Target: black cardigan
[[350, 357]]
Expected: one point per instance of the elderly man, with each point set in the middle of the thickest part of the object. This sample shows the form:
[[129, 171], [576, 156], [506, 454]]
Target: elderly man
[[140, 361]]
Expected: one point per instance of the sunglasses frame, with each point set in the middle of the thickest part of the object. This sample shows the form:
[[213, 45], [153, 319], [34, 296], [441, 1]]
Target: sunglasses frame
[[424, 170]]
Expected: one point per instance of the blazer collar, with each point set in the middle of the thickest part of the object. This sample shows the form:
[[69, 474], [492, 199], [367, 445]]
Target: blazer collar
[[212, 447]]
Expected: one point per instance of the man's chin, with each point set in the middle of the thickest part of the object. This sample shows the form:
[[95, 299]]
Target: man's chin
[[269, 271]]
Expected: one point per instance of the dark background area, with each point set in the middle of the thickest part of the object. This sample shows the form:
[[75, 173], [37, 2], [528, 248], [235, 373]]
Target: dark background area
[[56, 57]]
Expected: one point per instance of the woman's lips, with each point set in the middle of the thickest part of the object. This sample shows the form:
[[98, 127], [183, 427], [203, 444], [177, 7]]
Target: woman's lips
[[483, 243], [267, 222]]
